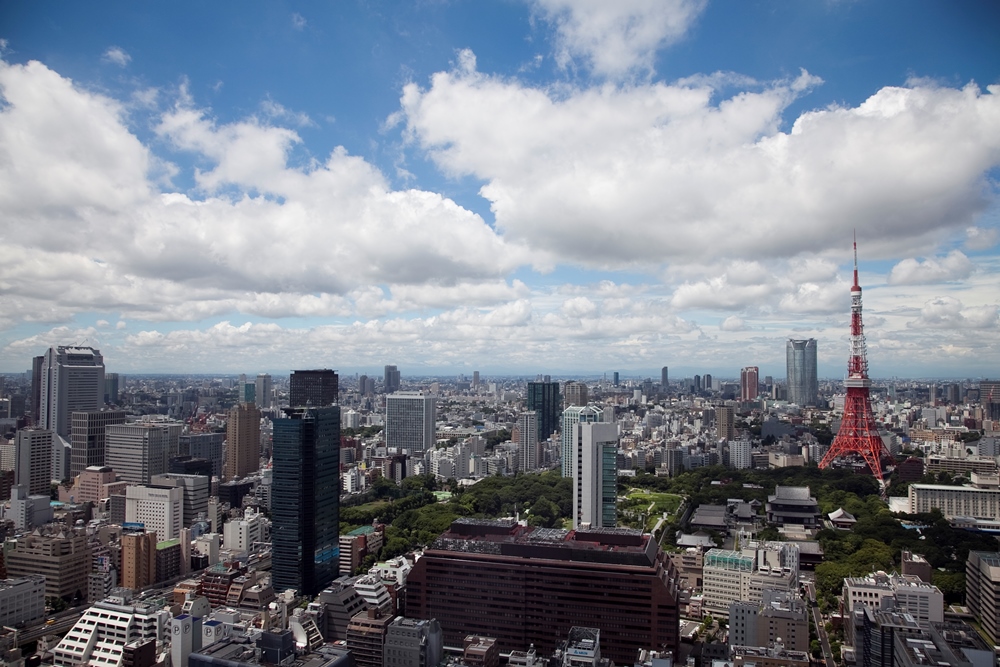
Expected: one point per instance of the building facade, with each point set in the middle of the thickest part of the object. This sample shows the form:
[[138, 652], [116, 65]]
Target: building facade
[[242, 441], [801, 371], [264, 391], [409, 421], [570, 416], [543, 398], [159, 509], [532, 585], [305, 499], [72, 378], [87, 437], [595, 475], [982, 590], [749, 383], [314, 388], [527, 441], [139, 451], [33, 460]]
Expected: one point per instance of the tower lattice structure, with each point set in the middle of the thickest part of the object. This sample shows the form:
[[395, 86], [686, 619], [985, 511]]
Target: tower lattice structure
[[858, 433]]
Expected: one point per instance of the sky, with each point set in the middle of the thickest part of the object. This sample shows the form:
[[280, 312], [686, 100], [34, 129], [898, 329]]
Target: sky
[[509, 186]]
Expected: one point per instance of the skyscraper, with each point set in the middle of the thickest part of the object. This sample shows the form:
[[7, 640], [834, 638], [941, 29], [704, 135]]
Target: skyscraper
[[391, 379], [527, 440], [33, 460], [543, 398], [576, 393], [316, 388], [800, 364], [87, 437], [725, 425], [111, 388], [570, 416], [242, 441], [409, 421], [749, 382], [305, 500], [614, 378], [262, 394], [138, 451], [664, 379], [595, 475], [72, 379]]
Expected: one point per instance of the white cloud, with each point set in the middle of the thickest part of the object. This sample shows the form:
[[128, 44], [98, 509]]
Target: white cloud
[[615, 38], [698, 178], [980, 238], [117, 56], [298, 21], [733, 323], [954, 266], [949, 313]]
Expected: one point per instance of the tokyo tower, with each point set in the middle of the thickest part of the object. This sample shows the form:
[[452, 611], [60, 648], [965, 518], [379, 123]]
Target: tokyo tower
[[858, 433]]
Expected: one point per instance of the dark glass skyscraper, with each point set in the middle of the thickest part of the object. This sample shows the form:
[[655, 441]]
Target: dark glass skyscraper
[[317, 388], [803, 383], [543, 398], [305, 499]]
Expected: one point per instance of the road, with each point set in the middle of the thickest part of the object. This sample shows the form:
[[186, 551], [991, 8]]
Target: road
[[824, 640]]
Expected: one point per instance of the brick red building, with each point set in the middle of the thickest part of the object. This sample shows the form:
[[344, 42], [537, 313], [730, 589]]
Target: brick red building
[[525, 585]]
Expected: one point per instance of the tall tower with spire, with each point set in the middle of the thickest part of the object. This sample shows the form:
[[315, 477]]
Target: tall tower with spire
[[858, 433]]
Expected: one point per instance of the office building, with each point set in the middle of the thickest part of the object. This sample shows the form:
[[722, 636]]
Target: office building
[[72, 378], [205, 446], [595, 475], [366, 637], [779, 616], [88, 437], [576, 394], [911, 595], [111, 631], [480, 651], [747, 573], [264, 391], [247, 534], [390, 379], [409, 422], [725, 422], [28, 511], [33, 460], [616, 376], [570, 416], [411, 642], [138, 560], [497, 568], [740, 454], [139, 451], [543, 398], [195, 490], [800, 367], [982, 590], [36, 389], [749, 383], [664, 379], [160, 510], [112, 388], [22, 600], [315, 388], [527, 441], [62, 556], [242, 441], [305, 499], [976, 504]]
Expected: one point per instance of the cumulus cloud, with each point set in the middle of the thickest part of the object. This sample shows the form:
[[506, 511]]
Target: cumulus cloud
[[698, 176], [733, 323], [615, 38], [949, 313], [257, 236], [117, 56], [954, 266]]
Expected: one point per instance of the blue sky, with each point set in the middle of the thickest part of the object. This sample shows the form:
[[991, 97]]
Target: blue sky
[[537, 186]]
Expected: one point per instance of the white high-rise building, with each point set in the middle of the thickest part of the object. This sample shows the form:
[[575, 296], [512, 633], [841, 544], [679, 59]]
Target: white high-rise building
[[263, 391], [409, 421], [137, 452], [159, 509], [33, 460], [739, 454], [527, 440], [595, 475], [72, 379], [570, 416]]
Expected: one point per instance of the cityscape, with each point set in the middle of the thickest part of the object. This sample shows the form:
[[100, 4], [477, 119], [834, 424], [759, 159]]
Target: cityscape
[[541, 333]]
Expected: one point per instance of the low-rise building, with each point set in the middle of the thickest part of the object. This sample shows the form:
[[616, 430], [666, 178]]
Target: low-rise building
[[22, 600]]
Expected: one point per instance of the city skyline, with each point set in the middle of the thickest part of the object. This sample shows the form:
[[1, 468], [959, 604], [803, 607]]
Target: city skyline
[[514, 188]]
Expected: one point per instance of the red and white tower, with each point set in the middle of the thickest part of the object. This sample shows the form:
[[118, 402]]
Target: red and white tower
[[858, 432]]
